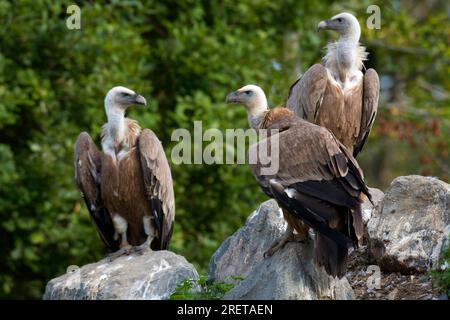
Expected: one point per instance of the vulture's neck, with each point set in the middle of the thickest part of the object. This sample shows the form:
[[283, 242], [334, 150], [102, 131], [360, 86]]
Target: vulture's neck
[[116, 123], [256, 115], [344, 58], [119, 133]]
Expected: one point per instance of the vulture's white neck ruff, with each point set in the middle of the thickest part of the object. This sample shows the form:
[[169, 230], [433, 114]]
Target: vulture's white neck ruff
[[116, 123], [114, 130], [344, 58], [256, 112]]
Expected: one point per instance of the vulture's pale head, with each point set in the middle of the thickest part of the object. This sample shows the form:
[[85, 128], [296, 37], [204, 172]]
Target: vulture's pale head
[[252, 97], [344, 23], [120, 98]]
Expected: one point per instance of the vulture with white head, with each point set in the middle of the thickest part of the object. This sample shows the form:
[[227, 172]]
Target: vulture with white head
[[336, 94], [127, 187], [318, 184]]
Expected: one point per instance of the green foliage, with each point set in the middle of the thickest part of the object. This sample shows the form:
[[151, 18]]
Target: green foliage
[[201, 290], [441, 275], [184, 57]]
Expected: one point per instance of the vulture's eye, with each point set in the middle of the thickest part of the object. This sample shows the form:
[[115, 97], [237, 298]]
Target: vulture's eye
[[339, 20], [248, 93], [125, 94]]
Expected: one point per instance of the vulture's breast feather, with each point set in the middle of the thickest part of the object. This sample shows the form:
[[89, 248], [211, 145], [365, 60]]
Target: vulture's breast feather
[[341, 111], [123, 189]]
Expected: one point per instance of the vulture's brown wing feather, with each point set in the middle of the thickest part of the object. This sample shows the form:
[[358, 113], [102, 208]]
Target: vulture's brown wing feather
[[87, 162], [306, 152], [158, 184], [309, 212], [357, 180], [319, 182], [371, 91], [306, 94]]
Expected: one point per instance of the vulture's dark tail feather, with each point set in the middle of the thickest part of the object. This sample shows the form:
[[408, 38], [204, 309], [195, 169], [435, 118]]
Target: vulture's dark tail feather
[[355, 172], [165, 242], [332, 256], [332, 245], [312, 220], [357, 225], [158, 219], [165, 231], [331, 190]]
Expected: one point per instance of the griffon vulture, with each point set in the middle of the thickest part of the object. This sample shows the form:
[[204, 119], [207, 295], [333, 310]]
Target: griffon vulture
[[127, 187], [319, 184], [336, 94]]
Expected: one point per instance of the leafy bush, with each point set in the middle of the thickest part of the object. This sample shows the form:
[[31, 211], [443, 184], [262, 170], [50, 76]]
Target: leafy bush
[[442, 275], [202, 290]]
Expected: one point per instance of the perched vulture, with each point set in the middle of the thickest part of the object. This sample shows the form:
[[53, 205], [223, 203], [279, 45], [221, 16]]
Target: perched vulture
[[318, 184], [336, 94], [127, 187]]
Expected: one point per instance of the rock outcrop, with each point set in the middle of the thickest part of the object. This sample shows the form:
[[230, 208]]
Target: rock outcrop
[[245, 248], [289, 274], [409, 227], [368, 208], [147, 276]]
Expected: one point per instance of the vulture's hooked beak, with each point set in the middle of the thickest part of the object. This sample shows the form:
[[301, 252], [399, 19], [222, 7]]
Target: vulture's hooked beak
[[140, 100], [323, 25], [233, 97]]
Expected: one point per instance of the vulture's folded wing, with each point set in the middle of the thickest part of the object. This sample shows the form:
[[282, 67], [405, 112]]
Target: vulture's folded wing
[[158, 184], [87, 161], [306, 94], [316, 214], [318, 175], [371, 91], [305, 152]]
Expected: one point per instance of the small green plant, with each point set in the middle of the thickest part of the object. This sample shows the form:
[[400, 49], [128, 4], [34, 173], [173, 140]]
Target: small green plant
[[202, 290], [442, 274]]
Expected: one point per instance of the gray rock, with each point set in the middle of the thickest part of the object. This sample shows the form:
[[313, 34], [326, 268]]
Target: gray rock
[[148, 276], [368, 208], [411, 224], [245, 248], [289, 274]]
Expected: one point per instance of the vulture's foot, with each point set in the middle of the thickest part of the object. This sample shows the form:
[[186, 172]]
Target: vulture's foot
[[121, 252], [141, 249], [287, 237], [302, 239]]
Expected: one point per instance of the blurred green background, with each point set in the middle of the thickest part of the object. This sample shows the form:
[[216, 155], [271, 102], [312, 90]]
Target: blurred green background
[[184, 57]]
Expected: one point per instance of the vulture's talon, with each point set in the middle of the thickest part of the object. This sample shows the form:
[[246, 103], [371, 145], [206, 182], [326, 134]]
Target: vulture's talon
[[276, 246], [280, 243], [270, 252], [141, 249], [121, 252], [301, 239], [144, 247]]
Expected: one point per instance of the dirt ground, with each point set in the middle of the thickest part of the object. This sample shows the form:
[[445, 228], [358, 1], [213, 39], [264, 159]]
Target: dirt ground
[[393, 286]]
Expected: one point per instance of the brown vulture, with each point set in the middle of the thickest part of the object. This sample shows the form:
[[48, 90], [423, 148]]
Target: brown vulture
[[127, 187], [336, 94], [318, 184]]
